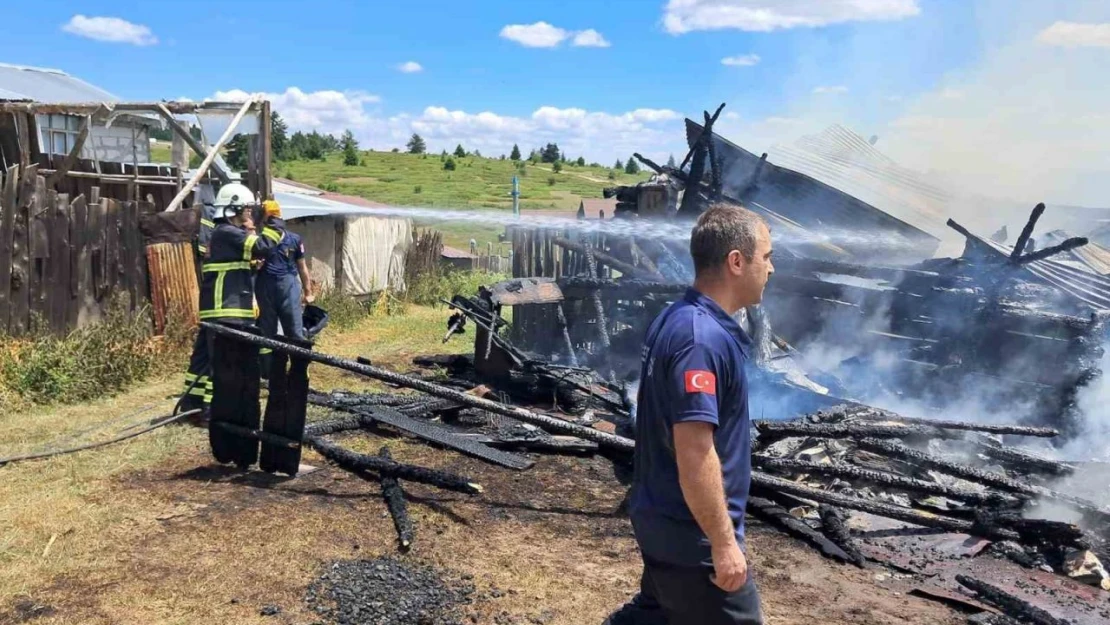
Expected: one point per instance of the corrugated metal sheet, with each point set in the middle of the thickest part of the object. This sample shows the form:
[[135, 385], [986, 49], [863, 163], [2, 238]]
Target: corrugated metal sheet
[[174, 292], [54, 86], [842, 159], [1092, 257], [819, 208]]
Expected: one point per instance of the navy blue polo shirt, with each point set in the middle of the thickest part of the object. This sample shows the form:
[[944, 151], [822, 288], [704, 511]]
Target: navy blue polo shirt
[[693, 369], [282, 260]]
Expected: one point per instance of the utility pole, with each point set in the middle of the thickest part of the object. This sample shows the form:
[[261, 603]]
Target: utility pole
[[516, 197]]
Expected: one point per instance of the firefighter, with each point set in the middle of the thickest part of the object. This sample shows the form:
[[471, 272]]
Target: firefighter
[[279, 286], [226, 292]]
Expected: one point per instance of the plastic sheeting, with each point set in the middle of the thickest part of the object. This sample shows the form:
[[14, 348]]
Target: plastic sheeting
[[373, 251]]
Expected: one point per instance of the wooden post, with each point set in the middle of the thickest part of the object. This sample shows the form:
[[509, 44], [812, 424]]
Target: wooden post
[[58, 287], [19, 298], [82, 271], [177, 200], [340, 244], [23, 137], [8, 204], [265, 175]]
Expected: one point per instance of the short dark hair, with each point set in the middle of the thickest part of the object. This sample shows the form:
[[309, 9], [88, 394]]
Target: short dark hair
[[721, 229]]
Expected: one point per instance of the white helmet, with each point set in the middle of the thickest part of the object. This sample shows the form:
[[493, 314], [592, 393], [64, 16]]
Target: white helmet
[[233, 196]]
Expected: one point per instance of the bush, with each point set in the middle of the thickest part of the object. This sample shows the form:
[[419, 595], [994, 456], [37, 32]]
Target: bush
[[429, 289], [612, 175], [331, 187], [418, 189], [449, 164], [97, 360], [344, 311], [557, 167], [551, 181]]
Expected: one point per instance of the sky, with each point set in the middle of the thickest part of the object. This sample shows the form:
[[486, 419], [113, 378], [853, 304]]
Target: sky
[[1001, 96]]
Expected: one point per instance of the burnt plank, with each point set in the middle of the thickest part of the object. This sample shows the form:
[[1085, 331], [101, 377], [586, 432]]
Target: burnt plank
[[58, 288], [111, 250], [78, 262], [95, 226], [19, 297], [135, 264], [9, 202], [40, 254]]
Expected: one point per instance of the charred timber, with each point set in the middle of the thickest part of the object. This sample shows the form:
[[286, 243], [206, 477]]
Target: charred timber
[[540, 420], [595, 297], [1048, 252], [762, 481], [785, 429], [601, 257], [1023, 460], [358, 463], [875, 414], [929, 461], [332, 426], [852, 472], [774, 514], [394, 497], [1019, 609], [835, 527], [1034, 531], [258, 435], [1026, 232]]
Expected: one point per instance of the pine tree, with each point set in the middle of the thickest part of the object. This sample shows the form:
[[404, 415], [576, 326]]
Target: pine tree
[[449, 164], [350, 149], [459, 151], [632, 167], [581, 162], [671, 163], [550, 153], [416, 144], [236, 157], [515, 155], [618, 165], [279, 138]]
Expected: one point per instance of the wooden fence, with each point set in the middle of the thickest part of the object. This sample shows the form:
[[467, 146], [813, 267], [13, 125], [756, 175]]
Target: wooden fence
[[64, 260]]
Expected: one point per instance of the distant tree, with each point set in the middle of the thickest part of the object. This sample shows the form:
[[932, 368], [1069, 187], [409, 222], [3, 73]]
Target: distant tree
[[612, 174], [279, 138], [443, 156], [502, 157], [557, 167], [632, 167], [396, 150], [581, 162], [550, 153], [331, 144], [161, 134], [236, 156], [595, 165], [534, 157], [618, 164], [671, 163], [477, 154], [515, 155], [459, 151], [449, 164], [416, 144], [350, 149]]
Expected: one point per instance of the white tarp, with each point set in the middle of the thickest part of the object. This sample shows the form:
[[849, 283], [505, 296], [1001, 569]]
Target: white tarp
[[373, 251]]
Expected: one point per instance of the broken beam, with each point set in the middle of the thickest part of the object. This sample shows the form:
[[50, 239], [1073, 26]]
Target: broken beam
[[620, 265], [1019, 609], [540, 420], [874, 414], [1069, 244], [835, 527], [784, 429], [394, 497], [776, 515], [357, 462]]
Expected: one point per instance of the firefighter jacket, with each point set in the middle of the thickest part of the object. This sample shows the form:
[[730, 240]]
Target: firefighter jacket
[[207, 225], [226, 290]]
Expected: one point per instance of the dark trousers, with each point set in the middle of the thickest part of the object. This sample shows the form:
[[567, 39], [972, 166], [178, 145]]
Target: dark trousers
[[682, 595], [279, 299], [199, 394]]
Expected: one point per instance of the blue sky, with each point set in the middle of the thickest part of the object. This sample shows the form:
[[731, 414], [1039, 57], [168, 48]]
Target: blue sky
[[484, 79]]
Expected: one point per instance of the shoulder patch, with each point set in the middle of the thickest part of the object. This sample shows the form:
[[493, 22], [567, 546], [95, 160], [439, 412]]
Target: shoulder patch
[[700, 381]]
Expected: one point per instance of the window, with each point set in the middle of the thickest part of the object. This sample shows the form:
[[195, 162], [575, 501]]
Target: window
[[59, 132]]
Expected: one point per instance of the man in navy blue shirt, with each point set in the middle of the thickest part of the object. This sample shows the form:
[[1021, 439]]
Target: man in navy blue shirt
[[693, 449], [279, 285]]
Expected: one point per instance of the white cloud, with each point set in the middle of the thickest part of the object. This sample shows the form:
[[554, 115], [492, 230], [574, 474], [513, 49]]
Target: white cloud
[[410, 67], [1076, 35], [544, 35], [590, 38], [683, 16], [327, 111], [830, 89], [746, 60], [538, 35], [110, 29], [948, 93]]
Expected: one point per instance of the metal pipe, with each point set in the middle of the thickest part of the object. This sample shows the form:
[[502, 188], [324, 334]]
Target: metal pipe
[[384, 375]]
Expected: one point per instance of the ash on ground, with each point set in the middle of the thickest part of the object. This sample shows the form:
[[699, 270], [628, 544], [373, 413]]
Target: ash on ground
[[386, 591]]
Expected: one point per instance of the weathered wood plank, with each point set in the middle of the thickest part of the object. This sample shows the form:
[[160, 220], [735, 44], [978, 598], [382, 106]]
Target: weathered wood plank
[[134, 266], [111, 250], [20, 295], [41, 214], [58, 288], [79, 262], [23, 136], [9, 204]]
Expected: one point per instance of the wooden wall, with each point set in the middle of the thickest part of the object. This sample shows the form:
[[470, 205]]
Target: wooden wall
[[66, 257]]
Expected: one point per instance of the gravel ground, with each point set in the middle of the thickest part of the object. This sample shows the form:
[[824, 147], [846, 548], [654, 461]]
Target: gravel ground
[[387, 591]]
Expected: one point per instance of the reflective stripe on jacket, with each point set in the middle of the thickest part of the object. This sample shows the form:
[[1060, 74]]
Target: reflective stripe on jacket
[[226, 290]]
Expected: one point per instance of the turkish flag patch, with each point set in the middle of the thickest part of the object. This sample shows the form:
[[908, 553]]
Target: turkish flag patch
[[698, 381]]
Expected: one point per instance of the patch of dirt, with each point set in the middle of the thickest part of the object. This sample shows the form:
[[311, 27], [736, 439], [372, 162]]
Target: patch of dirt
[[549, 545]]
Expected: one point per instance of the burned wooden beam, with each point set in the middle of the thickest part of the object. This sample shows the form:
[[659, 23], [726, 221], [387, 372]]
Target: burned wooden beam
[[774, 514], [625, 268], [835, 526], [1019, 609], [898, 450], [1022, 460], [875, 414], [1069, 244], [332, 426], [599, 309], [1034, 531], [762, 481], [785, 429], [394, 497], [384, 375], [359, 463], [1026, 232], [706, 132], [852, 472]]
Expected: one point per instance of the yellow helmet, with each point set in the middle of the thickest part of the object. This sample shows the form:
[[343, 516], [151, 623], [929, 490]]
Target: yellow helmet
[[271, 208]]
